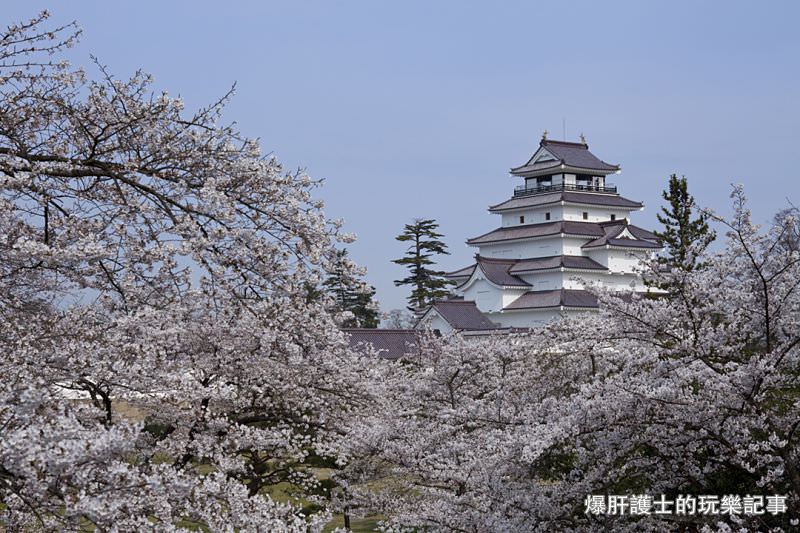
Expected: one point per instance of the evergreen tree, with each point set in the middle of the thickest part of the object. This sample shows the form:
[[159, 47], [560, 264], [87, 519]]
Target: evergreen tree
[[351, 294], [428, 284], [683, 237]]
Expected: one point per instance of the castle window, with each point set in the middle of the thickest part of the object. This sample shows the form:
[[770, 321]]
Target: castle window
[[613, 217], [522, 219], [585, 215], [547, 216]]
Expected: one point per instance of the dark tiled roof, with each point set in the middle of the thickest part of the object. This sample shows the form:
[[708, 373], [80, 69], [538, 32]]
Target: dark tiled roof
[[641, 233], [587, 198], [550, 164], [569, 153], [634, 243], [465, 272], [527, 231], [463, 315], [504, 272], [389, 343], [497, 271], [612, 232], [556, 261], [554, 298]]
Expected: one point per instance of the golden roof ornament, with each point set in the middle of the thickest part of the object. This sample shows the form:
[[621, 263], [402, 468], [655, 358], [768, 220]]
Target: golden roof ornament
[[583, 139], [544, 135]]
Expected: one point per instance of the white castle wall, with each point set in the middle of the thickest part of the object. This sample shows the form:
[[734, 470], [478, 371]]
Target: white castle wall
[[543, 247], [537, 215], [571, 279], [434, 321], [594, 214], [618, 260], [530, 318], [533, 216], [543, 281], [487, 297]]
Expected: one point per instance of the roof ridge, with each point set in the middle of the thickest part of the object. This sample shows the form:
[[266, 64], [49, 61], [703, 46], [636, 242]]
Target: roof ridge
[[545, 142], [543, 258], [623, 221], [496, 260], [450, 273], [634, 226]]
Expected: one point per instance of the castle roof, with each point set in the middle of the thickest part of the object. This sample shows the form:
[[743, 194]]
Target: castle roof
[[625, 236], [577, 262], [529, 231], [389, 343], [600, 232], [554, 298], [569, 197], [503, 272], [553, 156], [462, 315], [465, 272], [498, 272]]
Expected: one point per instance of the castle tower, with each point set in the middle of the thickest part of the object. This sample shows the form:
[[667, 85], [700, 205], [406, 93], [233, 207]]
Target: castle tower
[[563, 227]]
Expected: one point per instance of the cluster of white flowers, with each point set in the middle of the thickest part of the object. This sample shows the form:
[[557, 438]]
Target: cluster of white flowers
[[694, 392], [168, 359], [164, 365]]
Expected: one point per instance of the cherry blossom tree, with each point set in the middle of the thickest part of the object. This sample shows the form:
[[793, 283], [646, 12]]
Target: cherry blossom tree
[[163, 366], [691, 394]]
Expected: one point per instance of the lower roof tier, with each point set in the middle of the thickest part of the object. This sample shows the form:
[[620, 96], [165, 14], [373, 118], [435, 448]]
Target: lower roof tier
[[504, 272], [460, 314], [600, 233], [387, 343], [558, 298]]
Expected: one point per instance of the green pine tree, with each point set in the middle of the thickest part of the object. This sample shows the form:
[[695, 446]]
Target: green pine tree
[[684, 235], [428, 284], [351, 294]]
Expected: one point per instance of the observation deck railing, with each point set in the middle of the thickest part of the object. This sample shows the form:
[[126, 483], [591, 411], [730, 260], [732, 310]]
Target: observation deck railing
[[524, 190]]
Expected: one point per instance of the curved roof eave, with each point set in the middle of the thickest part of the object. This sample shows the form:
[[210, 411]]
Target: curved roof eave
[[472, 279], [561, 168], [576, 307], [566, 234], [649, 246], [612, 201]]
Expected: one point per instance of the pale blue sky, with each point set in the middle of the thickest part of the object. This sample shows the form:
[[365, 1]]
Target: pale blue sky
[[418, 109]]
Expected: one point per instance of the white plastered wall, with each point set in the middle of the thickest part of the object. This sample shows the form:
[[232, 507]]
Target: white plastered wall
[[487, 297], [434, 321], [595, 214], [532, 318], [533, 215], [544, 247]]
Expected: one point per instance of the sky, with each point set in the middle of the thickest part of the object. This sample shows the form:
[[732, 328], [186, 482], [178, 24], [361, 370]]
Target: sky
[[418, 109]]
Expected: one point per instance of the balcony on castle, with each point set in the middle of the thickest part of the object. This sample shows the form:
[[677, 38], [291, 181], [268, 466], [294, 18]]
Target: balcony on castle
[[529, 190]]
